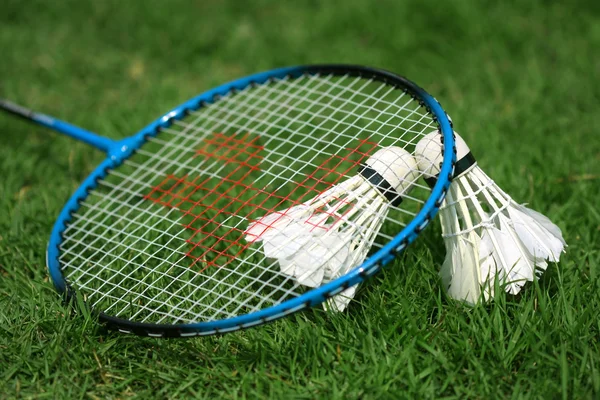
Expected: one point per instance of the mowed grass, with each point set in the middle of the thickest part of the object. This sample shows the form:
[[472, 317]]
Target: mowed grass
[[520, 82]]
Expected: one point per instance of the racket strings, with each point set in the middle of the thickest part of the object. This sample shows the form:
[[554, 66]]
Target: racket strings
[[117, 190], [132, 254], [414, 110]]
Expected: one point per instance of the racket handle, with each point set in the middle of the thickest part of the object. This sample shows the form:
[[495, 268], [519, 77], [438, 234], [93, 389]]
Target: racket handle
[[57, 125]]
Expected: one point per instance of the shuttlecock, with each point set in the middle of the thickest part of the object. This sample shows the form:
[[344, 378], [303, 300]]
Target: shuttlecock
[[488, 236], [323, 238]]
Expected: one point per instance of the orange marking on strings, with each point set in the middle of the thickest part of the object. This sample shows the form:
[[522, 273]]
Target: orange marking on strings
[[209, 203]]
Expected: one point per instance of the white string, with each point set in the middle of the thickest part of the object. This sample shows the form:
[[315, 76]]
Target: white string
[[129, 254], [129, 179]]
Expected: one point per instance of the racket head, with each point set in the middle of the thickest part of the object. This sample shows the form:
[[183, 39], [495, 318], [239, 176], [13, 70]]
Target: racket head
[[128, 147]]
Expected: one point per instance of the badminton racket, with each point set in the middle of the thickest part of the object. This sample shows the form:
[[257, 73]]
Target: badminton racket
[[158, 239]]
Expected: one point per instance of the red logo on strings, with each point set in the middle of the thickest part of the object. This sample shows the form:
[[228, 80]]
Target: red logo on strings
[[218, 203]]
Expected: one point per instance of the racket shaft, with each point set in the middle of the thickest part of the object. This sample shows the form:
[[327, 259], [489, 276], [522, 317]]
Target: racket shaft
[[57, 125]]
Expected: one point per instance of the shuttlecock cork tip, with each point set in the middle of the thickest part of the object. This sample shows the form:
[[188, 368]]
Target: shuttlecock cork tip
[[392, 170], [429, 154]]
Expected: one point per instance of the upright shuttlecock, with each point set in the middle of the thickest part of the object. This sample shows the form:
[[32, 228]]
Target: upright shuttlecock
[[488, 236], [325, 237]]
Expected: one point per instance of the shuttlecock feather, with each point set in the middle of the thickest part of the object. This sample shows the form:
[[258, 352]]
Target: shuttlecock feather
[[488, 236], [324, 238], [461, 260]]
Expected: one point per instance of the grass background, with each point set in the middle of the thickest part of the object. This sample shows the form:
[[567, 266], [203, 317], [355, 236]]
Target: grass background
[[520, 80]]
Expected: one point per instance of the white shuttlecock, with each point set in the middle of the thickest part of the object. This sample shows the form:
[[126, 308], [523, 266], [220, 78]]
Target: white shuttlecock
[[324, 238], [488, 236]]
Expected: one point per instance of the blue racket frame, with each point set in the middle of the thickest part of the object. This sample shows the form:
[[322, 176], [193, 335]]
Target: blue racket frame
[[120, 150]]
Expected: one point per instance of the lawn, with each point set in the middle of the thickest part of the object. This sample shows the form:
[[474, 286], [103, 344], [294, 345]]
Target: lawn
[[519, 79]]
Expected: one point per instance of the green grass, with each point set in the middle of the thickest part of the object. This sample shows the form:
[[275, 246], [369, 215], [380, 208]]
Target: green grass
[[520, 82]]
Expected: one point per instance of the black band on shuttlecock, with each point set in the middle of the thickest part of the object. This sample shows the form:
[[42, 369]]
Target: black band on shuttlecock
[[461, 166], [381, 184]]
